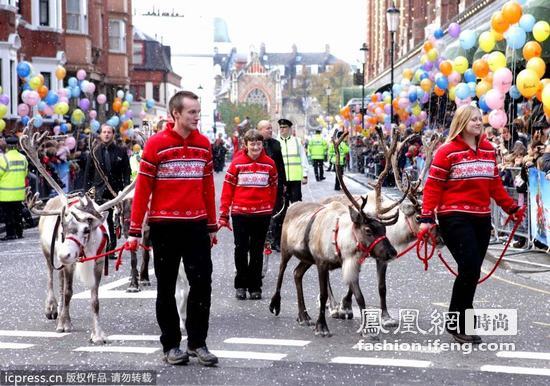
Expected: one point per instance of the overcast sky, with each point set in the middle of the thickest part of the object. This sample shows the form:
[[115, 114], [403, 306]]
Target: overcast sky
[[310, 24]]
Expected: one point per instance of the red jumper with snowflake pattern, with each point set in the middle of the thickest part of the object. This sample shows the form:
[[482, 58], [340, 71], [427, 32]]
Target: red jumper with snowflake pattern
[[463, 180], [176, 173], [250, 186]]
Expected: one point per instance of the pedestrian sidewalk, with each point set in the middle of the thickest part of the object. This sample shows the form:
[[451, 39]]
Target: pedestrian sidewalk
[[534, 261]]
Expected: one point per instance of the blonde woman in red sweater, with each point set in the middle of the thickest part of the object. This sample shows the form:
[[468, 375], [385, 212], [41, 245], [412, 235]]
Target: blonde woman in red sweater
[[249, 192], [462, 180]]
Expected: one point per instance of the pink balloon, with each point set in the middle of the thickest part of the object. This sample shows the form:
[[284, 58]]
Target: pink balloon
[[22, 110], [62, 92], [56, 130], [142, 114], [48, 110], [502, 80], [404, 103], [90, 89], [423, 115], [33, 98], [63, 99], [494, 99], [92, 114], [101, 99], [498, 119], [81, 74], [454, 78], [25, 95], [70, 142]]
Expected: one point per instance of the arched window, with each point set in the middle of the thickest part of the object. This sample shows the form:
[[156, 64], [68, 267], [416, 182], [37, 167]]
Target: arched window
[[257, 97]]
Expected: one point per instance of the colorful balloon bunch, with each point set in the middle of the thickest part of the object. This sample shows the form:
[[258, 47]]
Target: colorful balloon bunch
[[4, 103]]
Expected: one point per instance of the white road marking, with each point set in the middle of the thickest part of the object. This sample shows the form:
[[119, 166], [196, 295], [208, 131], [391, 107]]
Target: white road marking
[[269, 342], [134, 337], [515, 370], [119, 349], [118, 294], [524, 355], [542, 324], [381, 362], [14, 346], [248, 355], [33, 334]]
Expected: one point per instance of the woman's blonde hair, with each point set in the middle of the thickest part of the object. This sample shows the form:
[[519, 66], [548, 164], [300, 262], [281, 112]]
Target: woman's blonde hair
[[460, 120]]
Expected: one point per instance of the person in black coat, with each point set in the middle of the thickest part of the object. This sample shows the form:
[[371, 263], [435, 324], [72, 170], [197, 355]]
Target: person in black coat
[[273, 150], [115, 164]]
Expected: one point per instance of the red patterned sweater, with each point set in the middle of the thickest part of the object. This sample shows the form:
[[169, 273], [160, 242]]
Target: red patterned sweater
[[250, 186], [463, 180], [177, 173]]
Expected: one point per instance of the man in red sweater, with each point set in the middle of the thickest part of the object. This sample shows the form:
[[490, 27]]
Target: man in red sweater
[[249, 191], [175, 180]]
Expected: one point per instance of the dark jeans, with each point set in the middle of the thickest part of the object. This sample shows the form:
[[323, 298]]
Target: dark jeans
[[112, 233], [319, 169], [467, 237], [276, 224], [249, 233], [173, 242], [294, 190], [13, 217]]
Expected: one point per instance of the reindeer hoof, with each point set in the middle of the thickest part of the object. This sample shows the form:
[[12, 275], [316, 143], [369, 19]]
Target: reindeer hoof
[[52, 315], [275, 305], [304, 320], [98, 338], [145, 283], [132, 289], [64, 327], [322, 330]]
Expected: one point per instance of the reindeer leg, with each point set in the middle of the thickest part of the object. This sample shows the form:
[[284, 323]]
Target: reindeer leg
[[344, 310], [182, 290], [50, 307], [387, 320], [61, 303], [64, 322], [332, 304], [321, 327], [303, 318], [134, 286], [97, 336], [275, 304], [144, 271]]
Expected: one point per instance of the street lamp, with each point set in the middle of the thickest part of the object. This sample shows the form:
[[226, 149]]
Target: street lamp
[[392, 19], [364, 48], [328, 91]]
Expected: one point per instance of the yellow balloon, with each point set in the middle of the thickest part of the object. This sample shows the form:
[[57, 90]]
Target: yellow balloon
[[541, 30], [426, 85], [60, 72], [61, 108], [487, 41], [537, 64], [3, 110], [35, 82], [407, 73], [527, 83], [433, 54], [452, 93], [460, 64], [416, 109], [546, 96], [496, 60], [482, 87], [2, 125], [423, 59], [497, 35]]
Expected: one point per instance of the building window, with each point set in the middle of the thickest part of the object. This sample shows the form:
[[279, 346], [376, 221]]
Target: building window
[[156, 93], [257, 97], [44, 12], [117, 36], [138, 53], [138, 91], [47, 79], [76, 16]]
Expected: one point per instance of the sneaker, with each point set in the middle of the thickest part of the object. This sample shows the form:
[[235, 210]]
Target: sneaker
[[519, 244], [175, 356], [255, 295], [240, 293], [205, 357]]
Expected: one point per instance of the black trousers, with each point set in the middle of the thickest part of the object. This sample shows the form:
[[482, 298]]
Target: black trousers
[[173, 242], [294, 190], [13, 217], [249, 233], [467, 237], [319, 169], [112, 233], [275, 225]]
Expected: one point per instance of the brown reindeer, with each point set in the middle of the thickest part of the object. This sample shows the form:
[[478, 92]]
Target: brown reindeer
[[330, 236]]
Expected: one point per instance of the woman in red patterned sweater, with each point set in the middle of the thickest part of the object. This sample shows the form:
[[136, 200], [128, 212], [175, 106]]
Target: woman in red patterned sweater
[[249, 191], [462, 181]]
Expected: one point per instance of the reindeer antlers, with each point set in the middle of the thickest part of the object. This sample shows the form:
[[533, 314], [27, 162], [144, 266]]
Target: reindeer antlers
[[339, 173]]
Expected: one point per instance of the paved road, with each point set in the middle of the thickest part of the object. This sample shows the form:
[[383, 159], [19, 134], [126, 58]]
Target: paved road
[[256, 347]]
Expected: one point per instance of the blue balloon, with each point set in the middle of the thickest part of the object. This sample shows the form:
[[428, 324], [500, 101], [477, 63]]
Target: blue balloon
[[438, 33], [527, 22], [469, 76], [23, 69], [424, 75], [63, 128], [468, 39], [41, 106], [38, 121], [73, 82], [150, 103], [123, 118], [515, 37], [397, 89], [472, 87], [483, 105], [442, 82], [514, 92], [94, 125], [462, 91], [25, 120], [75, 92], [26, 86], [114, 121], [52, 98], [129, 97], [413, 96]]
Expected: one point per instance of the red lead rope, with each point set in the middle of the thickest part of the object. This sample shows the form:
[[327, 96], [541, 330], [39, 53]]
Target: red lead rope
[[122, 248], [426, 243]]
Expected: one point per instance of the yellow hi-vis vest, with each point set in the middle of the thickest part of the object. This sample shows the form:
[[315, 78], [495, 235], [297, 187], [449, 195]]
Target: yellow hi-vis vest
[[135, 158], [290, 149], [317, 147], [13, 171]]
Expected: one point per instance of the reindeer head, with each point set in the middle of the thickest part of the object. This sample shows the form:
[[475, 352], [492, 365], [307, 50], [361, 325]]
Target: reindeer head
[[78, 222]]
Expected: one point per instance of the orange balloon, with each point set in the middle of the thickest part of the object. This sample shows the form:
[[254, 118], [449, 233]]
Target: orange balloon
[[531, 49], [116, 106], [489, 78], [511, 11], [499, 23], [42, 91], [428, 46], [374, 98], [407, 73], [538, 65], [542, 84], [446, 67], [439, 91], [480, 68], [546, 110], [426, 84]]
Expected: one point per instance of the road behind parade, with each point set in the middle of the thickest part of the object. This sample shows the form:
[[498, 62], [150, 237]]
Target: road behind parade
[[256, 347]]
